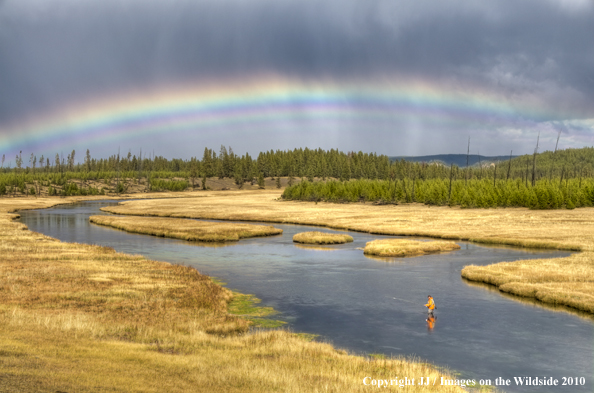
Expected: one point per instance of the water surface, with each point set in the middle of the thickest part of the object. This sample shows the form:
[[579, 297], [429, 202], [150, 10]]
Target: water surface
[[375, 305]]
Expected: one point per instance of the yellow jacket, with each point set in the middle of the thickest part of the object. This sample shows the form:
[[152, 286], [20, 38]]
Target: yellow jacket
[[430, 304]]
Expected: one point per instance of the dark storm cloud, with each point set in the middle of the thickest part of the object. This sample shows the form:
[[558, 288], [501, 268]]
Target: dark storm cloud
[[58, 51]]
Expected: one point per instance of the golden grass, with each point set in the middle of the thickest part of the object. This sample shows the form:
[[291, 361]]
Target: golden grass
[[258, 362], [559, 281], [550, 229], [85, 318], [406, 248], [191, 230], [316, 237], [566, 281]]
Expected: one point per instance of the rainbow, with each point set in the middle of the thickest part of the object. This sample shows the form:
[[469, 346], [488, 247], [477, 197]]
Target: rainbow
[[263, 105]]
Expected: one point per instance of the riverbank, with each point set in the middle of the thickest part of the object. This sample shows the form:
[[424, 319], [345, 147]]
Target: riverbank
[[82, 318], [548, 280]]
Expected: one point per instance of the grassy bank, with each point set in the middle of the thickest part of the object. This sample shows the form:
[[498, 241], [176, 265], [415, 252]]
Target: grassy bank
[[316, 237], [551, 229], [85, 318], [549, 280], [406, 248], [561, 281], [177, 228]]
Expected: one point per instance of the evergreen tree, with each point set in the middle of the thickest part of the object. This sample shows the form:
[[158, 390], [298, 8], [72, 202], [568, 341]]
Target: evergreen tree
[[71, 160], [261, 183], [238, 176], [193, 172]]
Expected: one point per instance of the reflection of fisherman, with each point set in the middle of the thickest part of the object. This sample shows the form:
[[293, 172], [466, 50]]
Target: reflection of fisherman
[[430, 305], [430, 321]]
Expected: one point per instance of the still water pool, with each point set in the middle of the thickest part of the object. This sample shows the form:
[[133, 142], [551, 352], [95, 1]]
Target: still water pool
[[370, 305]]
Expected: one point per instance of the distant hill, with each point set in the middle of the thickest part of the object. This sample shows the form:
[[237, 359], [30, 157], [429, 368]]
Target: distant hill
[[456, 159]]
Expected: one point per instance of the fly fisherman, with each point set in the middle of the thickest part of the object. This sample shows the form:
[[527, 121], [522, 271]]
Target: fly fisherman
[[430, 305]]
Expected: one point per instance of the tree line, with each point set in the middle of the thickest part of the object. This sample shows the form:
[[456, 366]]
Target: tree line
[[312, 163], [160, 173]]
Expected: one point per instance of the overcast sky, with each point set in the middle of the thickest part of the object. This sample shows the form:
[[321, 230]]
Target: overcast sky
[[533, 55]]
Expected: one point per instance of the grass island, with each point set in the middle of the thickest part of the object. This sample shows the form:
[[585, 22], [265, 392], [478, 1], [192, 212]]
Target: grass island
[[191, 230], [406, 247], [316, 237]]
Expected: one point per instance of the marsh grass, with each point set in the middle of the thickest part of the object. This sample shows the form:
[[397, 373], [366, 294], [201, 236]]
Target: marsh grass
[[191, 230], [83, 318], [316, 237], [558, 281], [244, 305], [565, 281], [530, 301], [35, 359], [407, 248]]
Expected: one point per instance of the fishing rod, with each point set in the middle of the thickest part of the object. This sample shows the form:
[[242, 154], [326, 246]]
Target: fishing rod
[[403, 300]]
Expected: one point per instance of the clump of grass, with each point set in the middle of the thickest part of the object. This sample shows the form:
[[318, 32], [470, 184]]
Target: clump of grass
[[191, 230], [316, 237], [406, 248], [244, 305]]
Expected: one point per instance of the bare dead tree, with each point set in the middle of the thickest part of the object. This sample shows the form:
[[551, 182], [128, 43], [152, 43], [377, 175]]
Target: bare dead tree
[[467, 156], [139, 167], [527, 170], [509, 166], [534, 161], [451, 173], [118, 171], [554, 155]]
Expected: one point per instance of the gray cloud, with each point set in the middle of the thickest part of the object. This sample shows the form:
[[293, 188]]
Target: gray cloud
[[59, 51]]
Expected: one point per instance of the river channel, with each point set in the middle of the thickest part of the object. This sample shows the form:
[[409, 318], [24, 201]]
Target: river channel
[[375, 306]]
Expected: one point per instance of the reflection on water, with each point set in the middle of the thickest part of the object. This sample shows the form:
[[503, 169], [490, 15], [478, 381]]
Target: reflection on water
[[370, 306], [213, 244], [531, 301], [430, 322], [313, 247]]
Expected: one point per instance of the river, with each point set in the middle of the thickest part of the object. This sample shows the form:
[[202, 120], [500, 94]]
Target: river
[[375, 306]]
